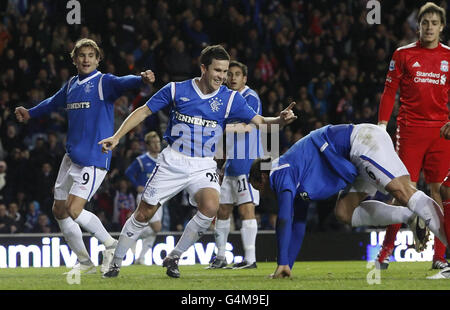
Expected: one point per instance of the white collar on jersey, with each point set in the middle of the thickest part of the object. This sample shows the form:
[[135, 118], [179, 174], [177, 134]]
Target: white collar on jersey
[[151, 157], [244, 89], [88, 78], [199, 92]]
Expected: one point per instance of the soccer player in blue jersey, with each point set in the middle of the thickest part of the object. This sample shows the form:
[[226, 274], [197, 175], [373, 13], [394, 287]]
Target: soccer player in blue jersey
[[139, 172], [235, 189], [200, 109], [358, 158], [89, 101]]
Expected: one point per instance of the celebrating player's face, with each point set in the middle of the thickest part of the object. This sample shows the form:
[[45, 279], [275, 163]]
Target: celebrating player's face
[[236, 79], [86, 60], [430, 28], [215, 74]]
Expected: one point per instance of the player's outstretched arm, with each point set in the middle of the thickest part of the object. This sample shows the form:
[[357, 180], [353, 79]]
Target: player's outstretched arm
[[445, 131], [22, 114], [239, 128], [129, 123], [286, 117], [282, 271]]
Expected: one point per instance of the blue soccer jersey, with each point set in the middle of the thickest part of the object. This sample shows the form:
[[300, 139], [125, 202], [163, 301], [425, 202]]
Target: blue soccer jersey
[[315, 168], [244, 148], [89, 102], [196, 120], [141, 169]]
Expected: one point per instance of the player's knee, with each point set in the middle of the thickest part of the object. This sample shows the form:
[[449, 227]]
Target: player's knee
[[145, 212], [209, 208], [208, 201], [59, 210], [401, 189], [73, 211], [247, 211]]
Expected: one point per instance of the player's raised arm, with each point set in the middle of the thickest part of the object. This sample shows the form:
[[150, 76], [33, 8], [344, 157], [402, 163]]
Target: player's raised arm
[[286, 117], [129, 123]]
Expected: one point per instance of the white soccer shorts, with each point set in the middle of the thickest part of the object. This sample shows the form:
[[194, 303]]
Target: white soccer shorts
[[237, 190], [77, 180], [175, 172], [372, 152]]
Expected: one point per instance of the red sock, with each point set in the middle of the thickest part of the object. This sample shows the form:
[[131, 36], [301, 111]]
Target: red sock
[[391, 235], [439, 249]]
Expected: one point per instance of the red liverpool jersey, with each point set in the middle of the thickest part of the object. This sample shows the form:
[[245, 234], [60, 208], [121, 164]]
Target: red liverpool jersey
[[423, 77]]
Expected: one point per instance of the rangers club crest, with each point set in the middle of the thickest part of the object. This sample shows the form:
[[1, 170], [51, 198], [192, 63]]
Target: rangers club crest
[[444, 66], [88, 87], [215, 104]]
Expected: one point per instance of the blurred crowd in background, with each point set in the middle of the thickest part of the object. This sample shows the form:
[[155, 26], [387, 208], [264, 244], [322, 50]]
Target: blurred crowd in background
[[321, 54]]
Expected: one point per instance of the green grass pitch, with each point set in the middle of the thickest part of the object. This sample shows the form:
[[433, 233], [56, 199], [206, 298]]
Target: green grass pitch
[[342, 275]]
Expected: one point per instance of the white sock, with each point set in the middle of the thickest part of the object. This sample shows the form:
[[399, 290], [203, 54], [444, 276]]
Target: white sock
[[377, 213], [248, 234], [196, 227], [74, 238], [91, 223], [149, 237], [221, 235], [430, 211], [128, 236]]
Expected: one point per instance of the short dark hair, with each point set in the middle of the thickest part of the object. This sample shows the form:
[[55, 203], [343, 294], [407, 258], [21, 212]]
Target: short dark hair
[[256, 171], [235, 63], [86, 43], [432, 8], [213, 52]]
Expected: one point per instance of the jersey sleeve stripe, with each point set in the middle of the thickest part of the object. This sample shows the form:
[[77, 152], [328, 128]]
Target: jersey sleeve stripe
[[140, 163], [172, 91], [68, 84], [279, 168], [230, 102], [100, 88]]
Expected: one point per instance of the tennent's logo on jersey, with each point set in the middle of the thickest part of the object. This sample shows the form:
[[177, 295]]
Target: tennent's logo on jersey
[[195, 120], [444, 66], [215, 104], [78, 105]]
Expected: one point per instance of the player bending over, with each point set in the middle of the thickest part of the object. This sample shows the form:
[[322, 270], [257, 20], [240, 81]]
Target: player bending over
[[328, 160]]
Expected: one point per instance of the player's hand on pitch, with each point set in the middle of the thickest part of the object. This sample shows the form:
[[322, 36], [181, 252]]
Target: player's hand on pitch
[[282, 271], [287, 115], [108, 144], [148, 77], [22, 114], [445, 131]]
